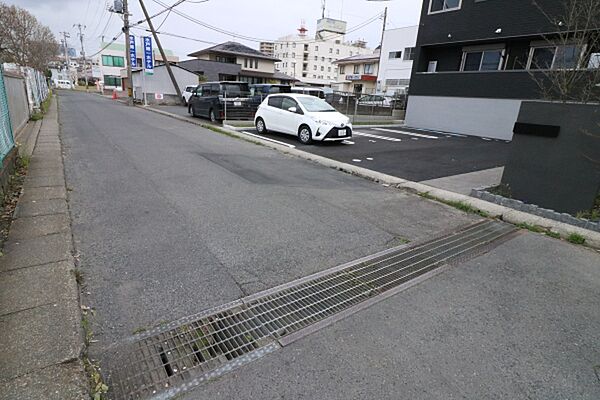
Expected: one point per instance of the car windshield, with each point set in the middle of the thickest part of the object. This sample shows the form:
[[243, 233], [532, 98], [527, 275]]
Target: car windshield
[[314, 104], [235, 90]]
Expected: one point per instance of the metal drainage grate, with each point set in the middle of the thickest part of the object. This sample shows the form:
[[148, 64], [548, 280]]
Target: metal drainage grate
[[168, 360]]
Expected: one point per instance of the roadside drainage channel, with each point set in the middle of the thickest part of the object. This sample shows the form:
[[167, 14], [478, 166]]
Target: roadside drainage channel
[[174, 358]]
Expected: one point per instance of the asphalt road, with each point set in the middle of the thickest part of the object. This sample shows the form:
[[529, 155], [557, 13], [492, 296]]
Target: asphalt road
[[171, 219], [411, 154], [416, 155]]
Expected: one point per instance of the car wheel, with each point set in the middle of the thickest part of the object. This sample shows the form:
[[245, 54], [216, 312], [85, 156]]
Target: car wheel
[[260, 126], [212, 116], [193, 111], [305, 135]]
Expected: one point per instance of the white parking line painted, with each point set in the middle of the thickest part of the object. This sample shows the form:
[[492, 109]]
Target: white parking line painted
[[406, 133], [347, 142], [440, 132], [377, 136], [356, 160], [269, 139]]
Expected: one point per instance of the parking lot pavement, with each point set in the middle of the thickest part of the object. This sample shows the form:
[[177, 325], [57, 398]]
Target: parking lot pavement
[[411, 154]]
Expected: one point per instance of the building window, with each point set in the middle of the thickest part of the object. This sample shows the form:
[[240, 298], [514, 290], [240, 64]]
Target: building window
[[316, 48], [328, 69], [316, 58], [322, 59], [330, 50], [482, 60], [293, 55], [113, 61], [255, 64], [436, 6], [294, 45], [225, 59], [432, 66], [368, 69], [110, 80], [395, 54], [554, 57], [409, 53], [322, 68], [342, 69], [357, 69], [337, 51], [315, 67], [246, 62]]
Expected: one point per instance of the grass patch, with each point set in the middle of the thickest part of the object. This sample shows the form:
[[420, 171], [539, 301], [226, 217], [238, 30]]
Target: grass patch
[[460, 205], [98, 388], [140, 329], [78, 274], [24, 161], [36, 116], [552, 234], [43, 109], [531, 228], [576, 238], [502, 190]]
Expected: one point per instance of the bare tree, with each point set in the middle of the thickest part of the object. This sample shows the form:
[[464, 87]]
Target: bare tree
[[568, 67], [23, 40]]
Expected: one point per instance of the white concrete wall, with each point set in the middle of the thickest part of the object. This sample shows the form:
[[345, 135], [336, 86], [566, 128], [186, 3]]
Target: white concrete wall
[[160, 82], [492, 118], [396, 40]]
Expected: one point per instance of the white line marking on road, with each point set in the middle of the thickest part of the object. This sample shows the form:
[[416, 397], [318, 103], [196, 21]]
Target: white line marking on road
[[269, 139], [372, 141], [406, 133], [440, 132], [377, 136], [370, 158], [347, 142], [485, 138], [356, 160]]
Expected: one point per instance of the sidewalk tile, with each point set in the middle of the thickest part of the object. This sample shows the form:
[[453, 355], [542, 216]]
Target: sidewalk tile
[[46, 171], [33, 287], [57, 382], [36, 251], [44, 193], [41, 207], [55, 180], [30, 227], [39, 337]]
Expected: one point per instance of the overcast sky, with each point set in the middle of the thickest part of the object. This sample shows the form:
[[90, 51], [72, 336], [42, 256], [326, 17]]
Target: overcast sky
[[260, 19]]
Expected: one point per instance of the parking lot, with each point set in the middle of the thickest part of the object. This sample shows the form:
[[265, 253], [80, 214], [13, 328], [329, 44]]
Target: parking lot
[[412, 154]]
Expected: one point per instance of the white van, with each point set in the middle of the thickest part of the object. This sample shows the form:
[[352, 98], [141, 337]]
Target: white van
[[63, 84]]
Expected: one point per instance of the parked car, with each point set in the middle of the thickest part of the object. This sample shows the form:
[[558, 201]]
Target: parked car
[[259, 91], [312, 91], [220, 100], [307, 117], [64, 84], [375, 100], [187, 93]]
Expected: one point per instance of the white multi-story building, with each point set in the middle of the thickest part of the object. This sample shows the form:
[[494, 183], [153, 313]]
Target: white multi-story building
[[397, 56], [311, 60]]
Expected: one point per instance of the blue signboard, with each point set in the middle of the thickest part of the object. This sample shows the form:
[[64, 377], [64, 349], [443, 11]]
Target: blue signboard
[[148, 58], [132, 54]]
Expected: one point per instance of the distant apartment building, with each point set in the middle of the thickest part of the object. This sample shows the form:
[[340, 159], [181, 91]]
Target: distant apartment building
[[312, 59], [397, 55], [475, 61], [267, 48], [112, 63], [357, 74]]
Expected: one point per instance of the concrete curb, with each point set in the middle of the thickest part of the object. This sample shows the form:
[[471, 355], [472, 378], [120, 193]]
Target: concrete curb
[[40, 316], [497, 211]]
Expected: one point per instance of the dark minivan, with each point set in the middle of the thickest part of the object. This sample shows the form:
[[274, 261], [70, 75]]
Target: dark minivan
[[259, 91], [221, 100]]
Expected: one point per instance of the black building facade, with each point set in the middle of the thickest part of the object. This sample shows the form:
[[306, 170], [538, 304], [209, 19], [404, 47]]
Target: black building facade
[[475, 60]]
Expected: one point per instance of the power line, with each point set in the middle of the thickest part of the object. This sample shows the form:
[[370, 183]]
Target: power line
[[106, 45], [168, 8], [254, 39], [175, 35]]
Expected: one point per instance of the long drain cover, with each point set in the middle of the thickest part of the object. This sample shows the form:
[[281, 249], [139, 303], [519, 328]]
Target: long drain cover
[[176, 357]]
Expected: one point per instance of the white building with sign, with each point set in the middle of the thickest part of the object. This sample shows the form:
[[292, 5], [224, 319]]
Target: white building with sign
[[357, 74], [312, 59]]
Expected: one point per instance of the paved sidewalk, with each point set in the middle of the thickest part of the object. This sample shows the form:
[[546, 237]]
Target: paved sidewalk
[[40, 321]]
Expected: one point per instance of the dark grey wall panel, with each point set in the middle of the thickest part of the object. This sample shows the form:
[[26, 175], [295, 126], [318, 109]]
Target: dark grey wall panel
[[556, 172]]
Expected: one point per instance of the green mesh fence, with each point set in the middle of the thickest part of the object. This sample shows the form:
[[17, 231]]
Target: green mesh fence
[[6, 135]]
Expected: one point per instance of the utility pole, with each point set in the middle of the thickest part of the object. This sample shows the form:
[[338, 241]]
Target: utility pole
[[66, 49], [381, 50], [81, 27], [127, 58], [162, 52]]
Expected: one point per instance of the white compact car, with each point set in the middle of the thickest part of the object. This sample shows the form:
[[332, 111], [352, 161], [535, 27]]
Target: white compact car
[[308, 117], [187, 93]]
